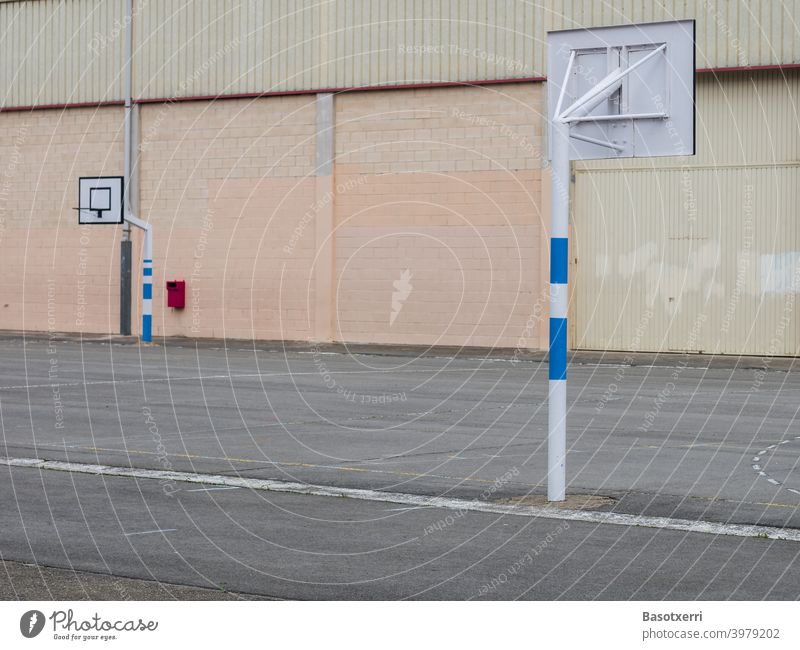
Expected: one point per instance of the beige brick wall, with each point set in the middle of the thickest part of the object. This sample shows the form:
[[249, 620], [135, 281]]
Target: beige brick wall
[[225, 185], [55, 275], [442, 187], [454, 129]]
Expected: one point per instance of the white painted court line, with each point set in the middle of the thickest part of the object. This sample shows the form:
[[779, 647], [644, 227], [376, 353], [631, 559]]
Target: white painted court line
[[758, 468], [210, 489], [157, 530], [610, 518]]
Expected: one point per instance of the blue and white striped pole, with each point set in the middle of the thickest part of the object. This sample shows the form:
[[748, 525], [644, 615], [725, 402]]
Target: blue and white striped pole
[[559, 258], [147, 276], [147, 287]]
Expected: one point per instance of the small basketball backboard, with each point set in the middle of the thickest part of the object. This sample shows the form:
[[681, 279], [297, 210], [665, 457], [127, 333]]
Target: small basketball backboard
[[100, 199], [625, 91]]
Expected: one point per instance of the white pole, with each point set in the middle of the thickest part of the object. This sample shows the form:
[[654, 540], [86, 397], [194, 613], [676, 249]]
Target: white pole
[[559, 257], [128, 129], [125, 243]]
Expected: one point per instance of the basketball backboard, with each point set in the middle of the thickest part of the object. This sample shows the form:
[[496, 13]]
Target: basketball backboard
[[100, 200], [630, 87]]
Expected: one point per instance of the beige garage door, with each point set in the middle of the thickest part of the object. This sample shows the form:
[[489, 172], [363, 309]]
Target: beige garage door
[[701, 259]]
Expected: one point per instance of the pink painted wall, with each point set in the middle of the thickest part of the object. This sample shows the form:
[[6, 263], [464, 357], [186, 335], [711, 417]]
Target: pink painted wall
[[434, 216]]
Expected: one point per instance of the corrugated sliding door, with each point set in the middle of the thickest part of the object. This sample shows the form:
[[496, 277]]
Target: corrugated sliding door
[[701, 259]]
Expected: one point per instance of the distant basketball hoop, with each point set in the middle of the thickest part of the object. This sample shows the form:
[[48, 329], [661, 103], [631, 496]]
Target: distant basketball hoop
[[100, 200]]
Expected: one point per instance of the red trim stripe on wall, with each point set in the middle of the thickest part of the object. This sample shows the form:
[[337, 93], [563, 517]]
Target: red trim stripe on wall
[[283, 93]]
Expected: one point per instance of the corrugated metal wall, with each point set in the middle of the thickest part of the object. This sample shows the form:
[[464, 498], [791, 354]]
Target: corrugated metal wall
[[56, 52], [698, 253], [59, 51], [219, 46]]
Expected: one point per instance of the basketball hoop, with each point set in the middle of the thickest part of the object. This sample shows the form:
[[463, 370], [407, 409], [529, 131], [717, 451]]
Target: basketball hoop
[[628, 92]]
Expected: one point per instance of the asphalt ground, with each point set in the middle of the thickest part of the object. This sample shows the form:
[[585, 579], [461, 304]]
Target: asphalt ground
[[668, 436], [23, 581]]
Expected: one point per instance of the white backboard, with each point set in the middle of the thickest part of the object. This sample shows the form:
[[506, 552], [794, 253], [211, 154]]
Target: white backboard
[[100, 199], [659, 93]]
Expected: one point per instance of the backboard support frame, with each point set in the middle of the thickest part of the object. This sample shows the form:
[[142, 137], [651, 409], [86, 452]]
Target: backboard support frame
[[646, 108]]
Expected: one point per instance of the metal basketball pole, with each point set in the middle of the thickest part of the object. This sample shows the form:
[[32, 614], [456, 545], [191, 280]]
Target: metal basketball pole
[[130, 219], [559, 258], [559, 253], [125, 244], [147, 276]]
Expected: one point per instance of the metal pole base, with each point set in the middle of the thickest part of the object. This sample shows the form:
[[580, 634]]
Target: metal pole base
[[125, 257]]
